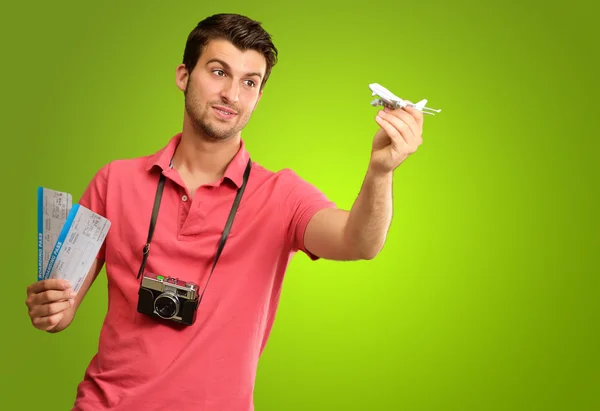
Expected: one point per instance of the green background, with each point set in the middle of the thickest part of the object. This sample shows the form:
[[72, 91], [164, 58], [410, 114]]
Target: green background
[[485, 296]]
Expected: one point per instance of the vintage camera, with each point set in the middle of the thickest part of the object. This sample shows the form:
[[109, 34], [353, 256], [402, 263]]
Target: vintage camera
[[168, 298]]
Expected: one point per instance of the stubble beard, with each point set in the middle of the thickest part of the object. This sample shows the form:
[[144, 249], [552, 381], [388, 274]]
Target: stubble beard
[[206, 127]]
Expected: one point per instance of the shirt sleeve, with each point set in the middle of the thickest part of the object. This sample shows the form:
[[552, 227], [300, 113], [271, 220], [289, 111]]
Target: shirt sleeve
[[94, 198], [301, 203]]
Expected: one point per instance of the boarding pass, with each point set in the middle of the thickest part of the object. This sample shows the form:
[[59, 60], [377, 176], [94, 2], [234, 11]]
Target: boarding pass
[[73, 233]]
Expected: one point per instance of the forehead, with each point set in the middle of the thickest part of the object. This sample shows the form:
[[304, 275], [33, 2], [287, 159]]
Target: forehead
[[238, 61]]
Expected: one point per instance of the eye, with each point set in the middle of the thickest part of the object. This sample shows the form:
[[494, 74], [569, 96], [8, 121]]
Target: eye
[[250, 83], [219, 72]]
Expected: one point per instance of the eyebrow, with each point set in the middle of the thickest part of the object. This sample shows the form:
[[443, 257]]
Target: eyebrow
[[221, 62]]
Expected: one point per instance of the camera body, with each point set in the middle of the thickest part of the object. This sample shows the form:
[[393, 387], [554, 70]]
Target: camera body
[[168, 298]]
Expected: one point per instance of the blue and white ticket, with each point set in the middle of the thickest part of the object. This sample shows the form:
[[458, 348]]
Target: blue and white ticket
[[77, 246], [53, 209]]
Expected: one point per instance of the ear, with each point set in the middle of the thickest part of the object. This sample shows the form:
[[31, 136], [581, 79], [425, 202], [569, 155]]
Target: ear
[[181, 77]]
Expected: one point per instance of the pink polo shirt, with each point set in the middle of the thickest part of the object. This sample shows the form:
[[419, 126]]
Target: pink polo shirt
[[145, 364]]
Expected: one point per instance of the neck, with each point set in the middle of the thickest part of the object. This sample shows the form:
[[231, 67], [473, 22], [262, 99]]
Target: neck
[[198, 156]]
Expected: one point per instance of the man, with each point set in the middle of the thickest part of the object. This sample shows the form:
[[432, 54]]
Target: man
[[146, 363]]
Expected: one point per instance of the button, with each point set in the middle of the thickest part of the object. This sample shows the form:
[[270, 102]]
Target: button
[[184, 198]]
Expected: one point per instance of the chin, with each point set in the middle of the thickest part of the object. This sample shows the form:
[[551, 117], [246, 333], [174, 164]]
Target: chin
[[214, 133]]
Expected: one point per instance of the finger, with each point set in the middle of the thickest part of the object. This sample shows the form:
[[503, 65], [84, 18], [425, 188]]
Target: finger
[[50, 284], [391, 131], [409, 119], [49, 296], [399, 126], [418, 115], [47, 323], [46, 310]]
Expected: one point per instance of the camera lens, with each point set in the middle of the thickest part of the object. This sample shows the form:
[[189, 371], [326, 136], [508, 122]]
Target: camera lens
[[166, 305]]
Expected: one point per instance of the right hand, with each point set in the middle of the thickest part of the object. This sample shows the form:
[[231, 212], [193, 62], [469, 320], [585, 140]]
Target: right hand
[[48, 301]]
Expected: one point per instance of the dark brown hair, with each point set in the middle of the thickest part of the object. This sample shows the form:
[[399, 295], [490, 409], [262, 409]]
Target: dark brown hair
[[241, 31]]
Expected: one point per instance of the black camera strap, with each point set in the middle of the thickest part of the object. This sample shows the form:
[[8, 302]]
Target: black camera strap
[[224, 235]]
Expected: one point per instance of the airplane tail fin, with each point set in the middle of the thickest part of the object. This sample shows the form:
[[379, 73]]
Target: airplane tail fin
[[421, 104], [426, 110]]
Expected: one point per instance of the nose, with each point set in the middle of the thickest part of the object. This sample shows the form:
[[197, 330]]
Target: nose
[[230, 92]]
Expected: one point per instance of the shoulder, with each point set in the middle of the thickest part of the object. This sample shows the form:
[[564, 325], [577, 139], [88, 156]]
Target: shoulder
[[291, 190], [285, 179], [113, 174], [119, 168], [285, 187]]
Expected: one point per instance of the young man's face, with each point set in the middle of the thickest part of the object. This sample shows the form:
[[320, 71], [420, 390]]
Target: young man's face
[[223, 89]]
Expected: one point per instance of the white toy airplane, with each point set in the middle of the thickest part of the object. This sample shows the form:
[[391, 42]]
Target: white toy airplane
[[387, 98]]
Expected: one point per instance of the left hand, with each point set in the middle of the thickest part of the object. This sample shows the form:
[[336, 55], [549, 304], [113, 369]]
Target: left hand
[[399, 136]]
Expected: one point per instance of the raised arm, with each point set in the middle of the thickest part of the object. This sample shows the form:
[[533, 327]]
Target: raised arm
[[360, 233]]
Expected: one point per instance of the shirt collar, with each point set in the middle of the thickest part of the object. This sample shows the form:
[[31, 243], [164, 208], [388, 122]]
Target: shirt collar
[[234, 171]]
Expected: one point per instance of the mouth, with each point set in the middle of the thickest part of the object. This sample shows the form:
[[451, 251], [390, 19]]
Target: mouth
[[224, 112]]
